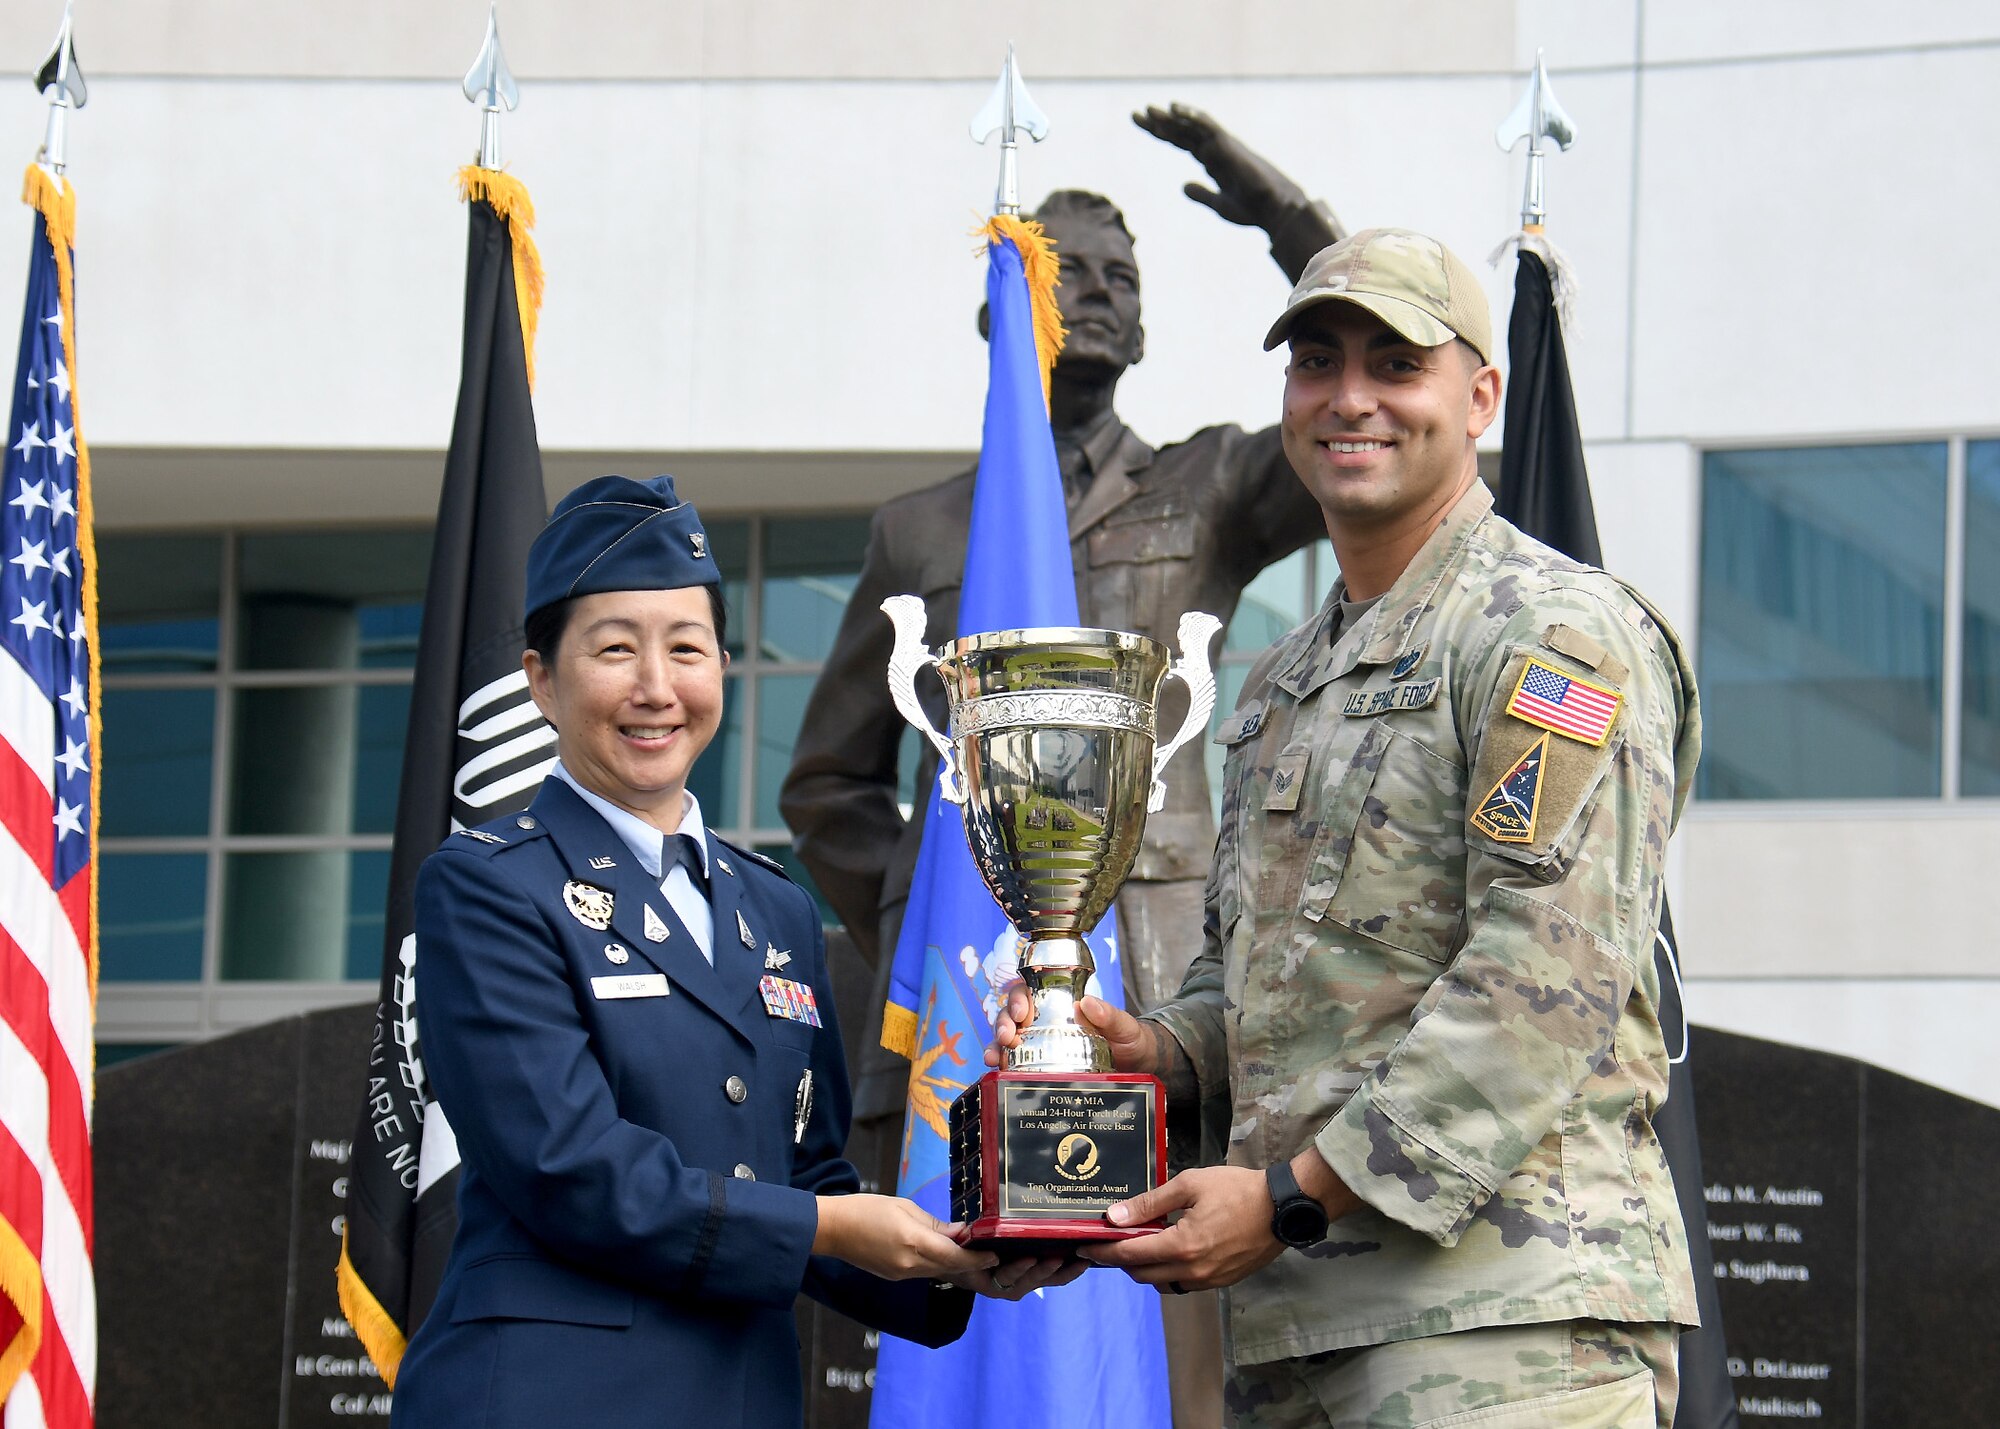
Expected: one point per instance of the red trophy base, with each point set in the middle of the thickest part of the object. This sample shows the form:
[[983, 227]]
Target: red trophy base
[[1038, 1157]]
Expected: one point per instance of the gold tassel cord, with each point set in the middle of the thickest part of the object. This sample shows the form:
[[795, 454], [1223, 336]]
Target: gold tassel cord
[[508, 197], [899, 1030], [373, 1326], [1044, 273], [54, 198]]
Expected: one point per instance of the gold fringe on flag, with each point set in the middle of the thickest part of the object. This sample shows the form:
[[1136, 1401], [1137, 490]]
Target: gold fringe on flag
[[54, 197], [378, 1333], [20, 1283], [508, 197], [899, 1030], [1044, 272]]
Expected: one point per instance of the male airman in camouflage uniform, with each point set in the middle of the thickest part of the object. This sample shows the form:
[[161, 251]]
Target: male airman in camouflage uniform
[[1427, 980]]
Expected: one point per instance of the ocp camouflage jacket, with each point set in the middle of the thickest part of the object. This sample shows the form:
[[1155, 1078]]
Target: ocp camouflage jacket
[[1429, 948]]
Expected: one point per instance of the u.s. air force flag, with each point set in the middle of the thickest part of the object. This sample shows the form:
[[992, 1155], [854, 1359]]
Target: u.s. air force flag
[[1090, 1352]]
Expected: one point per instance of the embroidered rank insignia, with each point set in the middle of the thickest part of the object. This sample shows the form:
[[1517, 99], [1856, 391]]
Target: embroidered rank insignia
[[1418, 695], [589, 904], [482, 836], [656, 926], [793, 1001], [1288, 776], [1548, 699], [1407, 666], [1507, 815]]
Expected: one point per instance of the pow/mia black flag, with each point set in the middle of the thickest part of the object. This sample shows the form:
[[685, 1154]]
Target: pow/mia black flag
[[1545, 490], [477, 748]]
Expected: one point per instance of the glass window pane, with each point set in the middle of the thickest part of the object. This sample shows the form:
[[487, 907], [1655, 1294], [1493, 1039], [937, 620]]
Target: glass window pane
[[293, 769], [810, 568], [1979, 742], [302, 917], [717, 775], [781, 704], [383, 720], [729, 543], [160, 598], [367, 898], [159, 749], [150, 915], [330, 600], [1822, 622], [1273, 602]]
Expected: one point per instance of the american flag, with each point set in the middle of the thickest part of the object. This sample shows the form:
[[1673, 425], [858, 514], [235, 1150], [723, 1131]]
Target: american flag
[[1568, 706], [48, 1302]]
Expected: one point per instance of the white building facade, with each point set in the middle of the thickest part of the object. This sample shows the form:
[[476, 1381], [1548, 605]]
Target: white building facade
[[755, 217]]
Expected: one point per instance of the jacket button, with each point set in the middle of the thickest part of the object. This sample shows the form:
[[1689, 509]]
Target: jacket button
[[735, 1090], [743, 1173]]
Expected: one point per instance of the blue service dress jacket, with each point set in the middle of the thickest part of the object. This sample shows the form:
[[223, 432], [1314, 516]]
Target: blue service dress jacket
[[636, 1209]]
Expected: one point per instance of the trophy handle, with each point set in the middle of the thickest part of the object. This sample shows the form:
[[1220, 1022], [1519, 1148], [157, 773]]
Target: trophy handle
[[906, 613], [1197, 629]]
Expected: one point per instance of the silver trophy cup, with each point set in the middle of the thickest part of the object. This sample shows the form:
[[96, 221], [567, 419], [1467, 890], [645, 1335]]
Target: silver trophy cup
[[1052, 757]]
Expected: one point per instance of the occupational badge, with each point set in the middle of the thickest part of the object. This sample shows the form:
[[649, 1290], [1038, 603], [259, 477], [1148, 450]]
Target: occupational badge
[[1507, 814], [1407, 666], [482, 836], [774, 959], [588, 904], [656, 926]]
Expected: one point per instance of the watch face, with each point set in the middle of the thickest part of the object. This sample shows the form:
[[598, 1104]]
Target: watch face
[[1301, 1222]]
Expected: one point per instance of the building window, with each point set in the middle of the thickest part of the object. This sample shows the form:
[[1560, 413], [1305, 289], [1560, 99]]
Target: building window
[[1850, 622], [256, 693]]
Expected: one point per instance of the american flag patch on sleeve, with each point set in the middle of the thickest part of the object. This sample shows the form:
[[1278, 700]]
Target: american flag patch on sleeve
[[1549, 699]]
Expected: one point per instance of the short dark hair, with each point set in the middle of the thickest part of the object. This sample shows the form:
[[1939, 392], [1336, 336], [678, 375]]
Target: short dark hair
[[1081, 203], [545, 627]]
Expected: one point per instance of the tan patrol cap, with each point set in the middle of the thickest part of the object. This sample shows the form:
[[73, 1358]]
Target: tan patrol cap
[[1413, 283]]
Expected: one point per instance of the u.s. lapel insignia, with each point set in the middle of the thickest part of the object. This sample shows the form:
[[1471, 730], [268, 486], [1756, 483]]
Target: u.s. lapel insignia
[[775, 959], [743, 930], [656, 926], [617, 953], [1407, 666], [590, 904], [601, 863], [1507, 815]]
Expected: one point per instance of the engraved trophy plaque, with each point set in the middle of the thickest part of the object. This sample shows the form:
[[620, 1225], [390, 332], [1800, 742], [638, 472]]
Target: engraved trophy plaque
[[1052, 758]]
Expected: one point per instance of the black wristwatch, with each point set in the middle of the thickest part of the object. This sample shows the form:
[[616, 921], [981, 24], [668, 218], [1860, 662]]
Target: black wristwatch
[[1296, 1218]]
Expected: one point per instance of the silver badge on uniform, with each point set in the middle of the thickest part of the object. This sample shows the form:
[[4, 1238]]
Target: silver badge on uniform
[[601, 863], [656, 926], [743, 930], [723, 864], [482, 836], [698, 543], [774, 959], [616, 952], [590, 904]]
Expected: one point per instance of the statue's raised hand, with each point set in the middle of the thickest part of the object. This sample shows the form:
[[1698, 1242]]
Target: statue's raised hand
[[1249, 189]]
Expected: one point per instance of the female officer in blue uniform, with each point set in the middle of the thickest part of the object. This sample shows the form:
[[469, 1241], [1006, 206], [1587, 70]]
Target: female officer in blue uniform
[[629, 1025]]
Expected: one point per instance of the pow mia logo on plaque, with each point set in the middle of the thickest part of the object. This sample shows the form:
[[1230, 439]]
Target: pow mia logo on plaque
[[1076, 1157], [588, 904]]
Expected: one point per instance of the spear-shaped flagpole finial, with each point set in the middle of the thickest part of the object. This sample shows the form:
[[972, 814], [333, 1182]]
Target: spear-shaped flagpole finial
[[60, 82], [1009, 112], [1537, 117], [490, 84]]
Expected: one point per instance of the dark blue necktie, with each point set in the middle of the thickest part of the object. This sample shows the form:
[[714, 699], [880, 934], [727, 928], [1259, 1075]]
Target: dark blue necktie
[[682, 850]]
